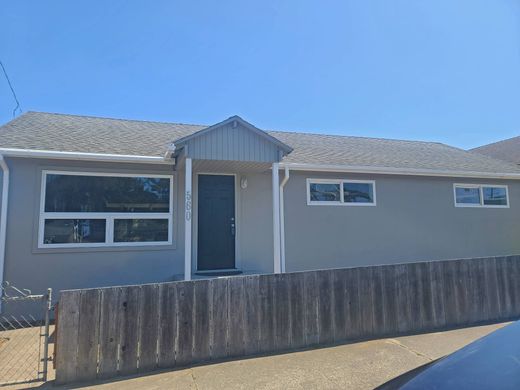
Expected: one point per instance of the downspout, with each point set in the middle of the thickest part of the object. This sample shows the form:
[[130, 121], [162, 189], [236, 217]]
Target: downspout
[[3, 218], [282, 219]]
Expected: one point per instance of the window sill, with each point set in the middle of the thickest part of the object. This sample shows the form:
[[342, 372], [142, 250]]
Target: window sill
[[86, 249]]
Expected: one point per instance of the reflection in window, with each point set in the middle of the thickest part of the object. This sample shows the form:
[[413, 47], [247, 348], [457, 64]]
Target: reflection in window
[[79, 209], [99, 194], [467, 195], [74, 231], [140, 230], [354, 192], [496, 196], [325, 192]]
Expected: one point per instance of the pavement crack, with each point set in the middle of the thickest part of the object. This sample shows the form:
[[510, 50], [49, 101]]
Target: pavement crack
[[396, 342], [194, 380]]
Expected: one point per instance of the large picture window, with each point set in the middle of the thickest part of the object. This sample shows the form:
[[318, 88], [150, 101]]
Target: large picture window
[[341, 192], [480, 195], [100, 209]]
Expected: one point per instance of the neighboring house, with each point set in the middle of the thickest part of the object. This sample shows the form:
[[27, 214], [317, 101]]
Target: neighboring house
[[507, 150], [96, 202]]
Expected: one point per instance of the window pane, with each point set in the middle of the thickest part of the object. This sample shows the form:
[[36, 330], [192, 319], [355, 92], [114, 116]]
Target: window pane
[[140, 230], [495, 196], [358, 192], [76, 193], [467, 195], [74, 231], [325, 192]]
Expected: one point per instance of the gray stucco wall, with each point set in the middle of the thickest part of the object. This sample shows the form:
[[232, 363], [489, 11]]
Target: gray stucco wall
[[415, 219], [27, 266]]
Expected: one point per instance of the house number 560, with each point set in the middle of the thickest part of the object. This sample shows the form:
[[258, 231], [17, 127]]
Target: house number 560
[[188, 205]]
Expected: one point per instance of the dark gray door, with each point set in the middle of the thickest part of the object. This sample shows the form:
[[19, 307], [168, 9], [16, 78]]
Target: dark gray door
[[216, 222]]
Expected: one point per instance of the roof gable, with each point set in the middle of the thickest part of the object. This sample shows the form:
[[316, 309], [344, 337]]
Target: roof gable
[[232, 139]]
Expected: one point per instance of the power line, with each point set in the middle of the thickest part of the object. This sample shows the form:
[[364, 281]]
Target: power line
[[12, 90]]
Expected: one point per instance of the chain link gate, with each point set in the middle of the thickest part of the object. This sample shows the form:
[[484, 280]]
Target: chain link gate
[[24, 335]]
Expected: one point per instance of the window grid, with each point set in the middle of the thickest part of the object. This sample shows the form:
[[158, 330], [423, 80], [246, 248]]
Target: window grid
[[341, 201], [481, 195], [109, 217]]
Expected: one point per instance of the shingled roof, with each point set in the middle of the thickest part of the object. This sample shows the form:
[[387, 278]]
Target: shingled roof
[[507, 150], [71, 133]]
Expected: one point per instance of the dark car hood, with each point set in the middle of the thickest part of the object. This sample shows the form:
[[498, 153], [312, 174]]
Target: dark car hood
[[492, 362]]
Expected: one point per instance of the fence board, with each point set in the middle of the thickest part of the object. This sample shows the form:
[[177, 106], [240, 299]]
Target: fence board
[[252, 318], [184, 345], [339, 310], [281, 312], [236, 316], [325, 306], [437, 294], [297, 309], [504, 296], [67, 337], [181, 323], [353, 301], [129, 311], [378, 301], [108, 332], [201, 319], [219, 318], [89, 310], [404, 314], [311, 308], [148, 326], [167, 324], [491, 289], [389, 299], [513, 272]]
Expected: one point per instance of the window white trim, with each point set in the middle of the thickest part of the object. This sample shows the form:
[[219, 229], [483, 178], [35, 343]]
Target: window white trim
[[109, 217], [481, 193], [341, 202]]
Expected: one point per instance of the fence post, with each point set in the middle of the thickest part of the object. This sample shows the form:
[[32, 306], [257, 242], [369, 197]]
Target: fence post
[[48, 303]]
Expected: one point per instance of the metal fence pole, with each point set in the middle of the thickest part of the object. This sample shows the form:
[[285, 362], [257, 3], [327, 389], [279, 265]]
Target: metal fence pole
[[48, 306]]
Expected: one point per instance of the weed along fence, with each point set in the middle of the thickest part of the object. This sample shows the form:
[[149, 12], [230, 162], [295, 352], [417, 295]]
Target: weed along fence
[[107, 332]]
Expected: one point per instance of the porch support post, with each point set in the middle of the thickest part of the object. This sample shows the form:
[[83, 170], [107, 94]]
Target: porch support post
[[187, 221], [276, 219]]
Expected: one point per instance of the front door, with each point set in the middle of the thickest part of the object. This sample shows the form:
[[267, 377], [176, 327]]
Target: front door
[[216, 222]]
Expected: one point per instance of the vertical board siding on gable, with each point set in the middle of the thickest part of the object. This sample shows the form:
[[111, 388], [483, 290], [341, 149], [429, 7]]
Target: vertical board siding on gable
[[232, 144], [140, 328]]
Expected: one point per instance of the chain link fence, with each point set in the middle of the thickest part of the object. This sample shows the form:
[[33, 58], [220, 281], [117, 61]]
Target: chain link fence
[[24, 335]]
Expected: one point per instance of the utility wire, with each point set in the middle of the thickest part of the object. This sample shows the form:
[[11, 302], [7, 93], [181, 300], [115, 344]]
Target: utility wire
[[12, 90]]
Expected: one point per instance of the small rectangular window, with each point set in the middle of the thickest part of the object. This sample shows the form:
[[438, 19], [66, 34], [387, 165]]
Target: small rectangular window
[[341, 192], [358, 192], [481, 195], [325, 192], [467, 195], [74, 231], [496, 196], [140, 230]]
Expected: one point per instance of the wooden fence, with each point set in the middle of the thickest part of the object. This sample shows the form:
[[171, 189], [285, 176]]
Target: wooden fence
[[114, 331]]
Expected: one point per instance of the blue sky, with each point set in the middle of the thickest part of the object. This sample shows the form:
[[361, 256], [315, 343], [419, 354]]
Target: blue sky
[[439, 70]]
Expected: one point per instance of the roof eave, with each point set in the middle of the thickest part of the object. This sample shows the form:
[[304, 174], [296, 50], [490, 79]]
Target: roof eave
[[83, 156], [398, 171]]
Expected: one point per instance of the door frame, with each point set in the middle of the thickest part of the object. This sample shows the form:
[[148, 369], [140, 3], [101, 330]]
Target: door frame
[[195, 222]]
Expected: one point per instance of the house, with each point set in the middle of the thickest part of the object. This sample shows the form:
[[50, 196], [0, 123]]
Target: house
[[507, 150], [94, 201]]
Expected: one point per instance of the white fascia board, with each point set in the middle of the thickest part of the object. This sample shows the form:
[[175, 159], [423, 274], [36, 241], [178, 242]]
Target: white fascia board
[[30, 153], [397, 171]]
